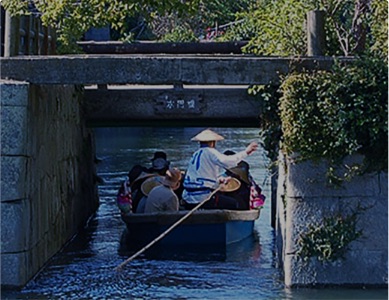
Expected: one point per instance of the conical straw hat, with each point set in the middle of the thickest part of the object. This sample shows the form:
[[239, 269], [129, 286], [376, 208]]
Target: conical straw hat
[[207, 136]]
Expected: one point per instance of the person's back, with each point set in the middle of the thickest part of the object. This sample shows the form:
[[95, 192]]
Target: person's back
[[161, 198]]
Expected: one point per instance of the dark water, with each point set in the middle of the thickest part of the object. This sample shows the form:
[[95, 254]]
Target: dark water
[[85, 269]]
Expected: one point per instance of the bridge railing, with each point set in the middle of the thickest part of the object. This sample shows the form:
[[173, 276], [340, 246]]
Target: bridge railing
[[25, 35]]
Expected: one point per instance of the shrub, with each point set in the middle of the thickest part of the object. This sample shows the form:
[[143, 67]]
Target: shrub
[[334, 114]]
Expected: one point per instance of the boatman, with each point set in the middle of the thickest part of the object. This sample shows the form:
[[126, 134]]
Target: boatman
[[204, 169]]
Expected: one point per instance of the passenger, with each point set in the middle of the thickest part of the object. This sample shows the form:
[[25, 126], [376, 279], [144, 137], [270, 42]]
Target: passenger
[[162, 197], [125, 194], [146, 187], [159, 162], [249, 193], [203, 172], [159, 166]]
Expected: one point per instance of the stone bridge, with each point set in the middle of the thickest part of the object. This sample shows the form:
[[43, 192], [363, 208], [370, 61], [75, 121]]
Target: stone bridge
[[133, 89]]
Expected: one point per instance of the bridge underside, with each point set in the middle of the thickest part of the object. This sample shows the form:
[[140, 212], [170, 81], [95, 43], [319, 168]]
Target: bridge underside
[[168, 106]]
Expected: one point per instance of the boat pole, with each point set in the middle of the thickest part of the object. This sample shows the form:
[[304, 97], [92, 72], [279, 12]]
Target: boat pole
[[162, 235]]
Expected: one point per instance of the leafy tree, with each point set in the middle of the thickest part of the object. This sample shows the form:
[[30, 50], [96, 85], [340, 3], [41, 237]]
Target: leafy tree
[[278, 27], [72, 18]]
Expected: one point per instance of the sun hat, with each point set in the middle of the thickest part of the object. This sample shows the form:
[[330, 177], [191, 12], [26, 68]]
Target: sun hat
[[172, 178], [207, 135], [232, 185], [151, 183], [142, 177], [242, 171], [159, 154]]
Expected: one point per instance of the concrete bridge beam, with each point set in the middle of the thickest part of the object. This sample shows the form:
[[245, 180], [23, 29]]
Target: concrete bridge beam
[[156, 69]]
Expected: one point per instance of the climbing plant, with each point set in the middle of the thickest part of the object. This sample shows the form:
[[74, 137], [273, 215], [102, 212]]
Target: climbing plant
[[335, 114], [329, 240]]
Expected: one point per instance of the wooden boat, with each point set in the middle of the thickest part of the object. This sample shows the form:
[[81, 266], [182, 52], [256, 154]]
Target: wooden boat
[[211, 228]]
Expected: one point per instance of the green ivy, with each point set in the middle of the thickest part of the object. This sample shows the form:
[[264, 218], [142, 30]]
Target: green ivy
[[330, 239], [339, 113], [269, 117]]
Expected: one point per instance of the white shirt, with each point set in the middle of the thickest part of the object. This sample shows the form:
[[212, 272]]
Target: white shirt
[[203, 172]]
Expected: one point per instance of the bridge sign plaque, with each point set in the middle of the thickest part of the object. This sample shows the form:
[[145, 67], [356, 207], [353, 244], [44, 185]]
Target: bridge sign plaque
[[170, 103]]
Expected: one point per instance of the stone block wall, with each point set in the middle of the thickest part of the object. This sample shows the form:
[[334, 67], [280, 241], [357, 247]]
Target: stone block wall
[[305, 198], [47, 175]]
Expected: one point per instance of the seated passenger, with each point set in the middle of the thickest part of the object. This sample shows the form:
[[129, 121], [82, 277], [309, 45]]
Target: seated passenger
[[162, 197], [159, 163], [158, 168], [125, 195], [145, 189], [249, 194]]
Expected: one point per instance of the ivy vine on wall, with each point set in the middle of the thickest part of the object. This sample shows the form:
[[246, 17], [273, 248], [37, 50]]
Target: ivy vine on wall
[[330, 240], [339, 113]]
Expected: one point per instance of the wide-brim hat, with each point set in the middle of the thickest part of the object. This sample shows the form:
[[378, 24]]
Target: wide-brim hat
[[207, 136], [242, 171], [143, 176], [232, 185], [172, 178], [151, 183]]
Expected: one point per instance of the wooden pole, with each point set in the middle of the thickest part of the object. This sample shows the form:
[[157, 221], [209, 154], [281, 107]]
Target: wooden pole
[[316, 33], [163, 234], [11, 41]]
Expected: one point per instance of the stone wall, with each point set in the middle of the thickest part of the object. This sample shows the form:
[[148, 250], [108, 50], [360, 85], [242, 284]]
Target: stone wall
[[305, 198], [47, 175]]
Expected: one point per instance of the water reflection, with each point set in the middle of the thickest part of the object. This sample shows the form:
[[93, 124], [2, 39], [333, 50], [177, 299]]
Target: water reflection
[[246, 249]]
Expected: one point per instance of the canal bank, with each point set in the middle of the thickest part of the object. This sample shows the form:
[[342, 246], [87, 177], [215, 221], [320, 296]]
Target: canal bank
[[47, 175]]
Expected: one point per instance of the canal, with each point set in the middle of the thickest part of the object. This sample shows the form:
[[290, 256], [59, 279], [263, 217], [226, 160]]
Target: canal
[[85, 268]]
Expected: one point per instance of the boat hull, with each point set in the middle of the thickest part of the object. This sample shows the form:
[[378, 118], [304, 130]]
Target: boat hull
[[211, 228]]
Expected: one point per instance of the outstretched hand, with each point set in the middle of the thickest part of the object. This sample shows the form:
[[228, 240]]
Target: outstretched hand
[[251, 148]]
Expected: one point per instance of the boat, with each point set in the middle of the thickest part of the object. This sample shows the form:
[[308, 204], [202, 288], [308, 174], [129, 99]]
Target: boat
[[212, 228]]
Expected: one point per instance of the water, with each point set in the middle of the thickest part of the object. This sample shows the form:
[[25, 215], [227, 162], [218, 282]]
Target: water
[[85, 269]]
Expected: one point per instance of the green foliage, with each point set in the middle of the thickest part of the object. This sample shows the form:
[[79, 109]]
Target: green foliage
[[180, 34], [280, 27], [221, 12], [335, 114], [72, 18], [210, 14], [270, 122], [330, 239], [379, 29]]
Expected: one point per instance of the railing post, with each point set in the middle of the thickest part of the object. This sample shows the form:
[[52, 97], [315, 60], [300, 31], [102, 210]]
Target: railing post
[[11, 40], [316, 32]]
